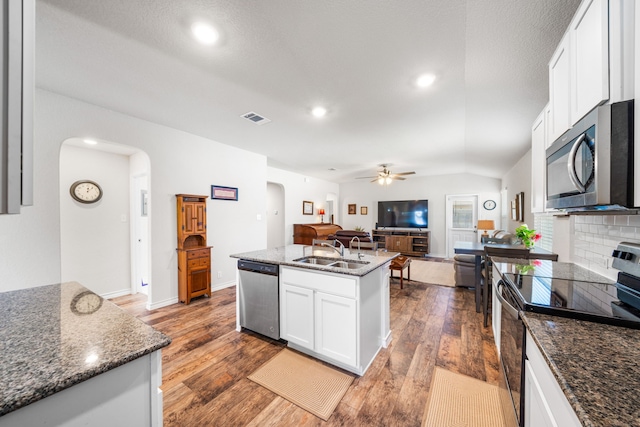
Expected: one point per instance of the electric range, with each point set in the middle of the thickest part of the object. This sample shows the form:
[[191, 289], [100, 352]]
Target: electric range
[[616, 304]]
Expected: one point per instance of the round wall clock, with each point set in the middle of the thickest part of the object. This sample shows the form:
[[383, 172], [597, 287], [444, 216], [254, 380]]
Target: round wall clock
[[489, 205], [86, 303], [85, 191]]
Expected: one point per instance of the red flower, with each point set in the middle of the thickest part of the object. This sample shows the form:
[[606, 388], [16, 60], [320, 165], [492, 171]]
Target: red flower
[[536, 262], [537, 237]]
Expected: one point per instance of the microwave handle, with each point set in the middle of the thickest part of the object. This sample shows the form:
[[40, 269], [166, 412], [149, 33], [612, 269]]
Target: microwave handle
[[571, 164], [513, 312]]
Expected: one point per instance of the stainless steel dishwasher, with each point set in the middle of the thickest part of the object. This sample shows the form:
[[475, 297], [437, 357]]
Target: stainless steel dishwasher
[[259, 298]]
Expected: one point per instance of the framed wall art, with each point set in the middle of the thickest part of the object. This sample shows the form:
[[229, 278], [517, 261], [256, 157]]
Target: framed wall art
[[307, 208], [520, 206], [224, 193], [364, 210], [352, 209]]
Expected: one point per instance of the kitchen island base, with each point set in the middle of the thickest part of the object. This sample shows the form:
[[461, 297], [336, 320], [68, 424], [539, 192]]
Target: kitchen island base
[[128, 395], [340, 319]]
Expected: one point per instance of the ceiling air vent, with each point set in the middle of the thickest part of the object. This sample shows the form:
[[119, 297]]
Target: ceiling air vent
[[256, 118]]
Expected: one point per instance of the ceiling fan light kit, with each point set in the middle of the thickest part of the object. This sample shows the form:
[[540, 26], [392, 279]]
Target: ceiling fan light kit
[[385, 177]]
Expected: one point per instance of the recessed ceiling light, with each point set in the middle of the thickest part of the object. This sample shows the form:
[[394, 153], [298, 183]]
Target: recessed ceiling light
[[425, 80], [89, 141], [204, 33], [319, 112]]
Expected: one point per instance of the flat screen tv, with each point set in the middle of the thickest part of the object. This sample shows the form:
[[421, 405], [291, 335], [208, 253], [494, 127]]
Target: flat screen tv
[[404, 214]]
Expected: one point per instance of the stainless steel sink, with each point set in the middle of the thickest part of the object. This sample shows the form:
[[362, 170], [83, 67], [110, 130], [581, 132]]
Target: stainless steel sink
[[333, 262], [316, 260]]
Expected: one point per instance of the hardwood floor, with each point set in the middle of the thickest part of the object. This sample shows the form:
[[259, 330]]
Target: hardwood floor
[[206, 365]]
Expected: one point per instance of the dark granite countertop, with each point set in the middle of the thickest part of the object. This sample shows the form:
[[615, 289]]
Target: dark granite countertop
[[53, 337], [286, 255], [596, 365]]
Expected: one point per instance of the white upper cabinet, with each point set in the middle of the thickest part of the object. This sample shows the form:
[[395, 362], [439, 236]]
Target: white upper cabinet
[[560, 89], [538, 162], [589, 52], [593, 64]]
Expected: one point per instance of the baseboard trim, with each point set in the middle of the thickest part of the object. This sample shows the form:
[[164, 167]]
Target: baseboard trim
[[116, 294], [161, 304], [223, 286]]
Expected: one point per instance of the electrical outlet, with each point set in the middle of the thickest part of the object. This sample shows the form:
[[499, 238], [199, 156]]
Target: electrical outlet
[[219, 274]]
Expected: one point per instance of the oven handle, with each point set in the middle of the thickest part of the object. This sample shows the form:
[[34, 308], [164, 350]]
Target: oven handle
[[513, 312], [571, 164]]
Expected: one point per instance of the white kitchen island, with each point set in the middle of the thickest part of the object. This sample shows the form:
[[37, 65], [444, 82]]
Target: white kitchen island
[[337, 314]]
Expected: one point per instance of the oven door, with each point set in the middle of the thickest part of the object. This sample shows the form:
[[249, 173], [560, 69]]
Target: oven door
[[512, 352]]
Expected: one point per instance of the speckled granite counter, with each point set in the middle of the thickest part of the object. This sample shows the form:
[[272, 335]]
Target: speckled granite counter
[[286, 255], [596, 365], [53, 337]]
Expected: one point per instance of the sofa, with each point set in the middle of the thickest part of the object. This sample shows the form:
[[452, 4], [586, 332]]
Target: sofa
[[345, 236]]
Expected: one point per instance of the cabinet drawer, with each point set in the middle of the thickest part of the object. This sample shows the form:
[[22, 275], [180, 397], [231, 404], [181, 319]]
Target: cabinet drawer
[[198, 262], [323, 282], [198, 253]]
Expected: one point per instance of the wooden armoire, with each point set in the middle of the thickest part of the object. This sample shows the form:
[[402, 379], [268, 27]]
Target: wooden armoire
[[194, 256]]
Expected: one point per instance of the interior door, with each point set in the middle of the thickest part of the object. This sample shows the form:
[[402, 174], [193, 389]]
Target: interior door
[[462, 219], [141, 234]]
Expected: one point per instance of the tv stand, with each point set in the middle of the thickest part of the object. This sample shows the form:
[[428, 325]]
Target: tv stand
[[413, 242]]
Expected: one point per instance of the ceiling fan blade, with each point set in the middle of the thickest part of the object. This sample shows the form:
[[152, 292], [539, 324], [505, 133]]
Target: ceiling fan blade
[[375, 180], [399, 178], [404, 173]]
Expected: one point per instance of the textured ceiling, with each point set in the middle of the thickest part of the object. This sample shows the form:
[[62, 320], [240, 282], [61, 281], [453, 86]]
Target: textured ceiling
[[280, 58]]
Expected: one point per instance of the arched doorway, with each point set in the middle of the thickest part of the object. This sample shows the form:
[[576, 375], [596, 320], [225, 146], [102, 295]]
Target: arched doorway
[[99, 241]]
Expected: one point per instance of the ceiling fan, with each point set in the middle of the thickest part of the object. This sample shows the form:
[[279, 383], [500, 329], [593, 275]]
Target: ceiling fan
[[385, 176]]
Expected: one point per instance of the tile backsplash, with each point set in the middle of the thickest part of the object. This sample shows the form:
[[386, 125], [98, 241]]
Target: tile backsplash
[[596, 236]]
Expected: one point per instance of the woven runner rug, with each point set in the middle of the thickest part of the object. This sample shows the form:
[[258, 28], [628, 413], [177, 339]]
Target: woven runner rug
[[304, 382], [461, 401]]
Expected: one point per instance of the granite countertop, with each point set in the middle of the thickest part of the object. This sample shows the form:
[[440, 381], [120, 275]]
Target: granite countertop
[[286, 255], [596, 365], [53, 337]]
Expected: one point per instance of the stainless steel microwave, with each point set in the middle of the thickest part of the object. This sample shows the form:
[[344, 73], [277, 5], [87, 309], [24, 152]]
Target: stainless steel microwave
[[591, 165]]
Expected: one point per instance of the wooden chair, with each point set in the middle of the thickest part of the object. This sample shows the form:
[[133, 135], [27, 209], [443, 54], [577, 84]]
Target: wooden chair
[[496, 252], [399, 263]]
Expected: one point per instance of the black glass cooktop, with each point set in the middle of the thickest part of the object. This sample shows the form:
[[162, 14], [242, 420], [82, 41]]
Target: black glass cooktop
[[598, 302]]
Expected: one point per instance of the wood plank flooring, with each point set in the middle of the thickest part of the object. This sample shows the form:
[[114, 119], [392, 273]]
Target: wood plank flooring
[[206, 365]]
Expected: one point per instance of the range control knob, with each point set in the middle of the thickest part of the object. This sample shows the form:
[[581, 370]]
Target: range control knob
[[622, 255]]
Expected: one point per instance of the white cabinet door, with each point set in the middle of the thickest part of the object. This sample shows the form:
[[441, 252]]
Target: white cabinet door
[[589, 34], [538, 163], [536, 409], [296, 315], [560, 89], [550, 403], [336, 327]]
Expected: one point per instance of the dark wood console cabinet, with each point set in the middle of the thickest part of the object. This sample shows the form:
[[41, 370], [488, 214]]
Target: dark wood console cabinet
[[413, 243], [194, 256]]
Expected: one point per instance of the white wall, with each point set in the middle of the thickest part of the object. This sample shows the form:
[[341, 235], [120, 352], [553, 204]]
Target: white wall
[[433, 188], [299, 188], [95, 242], [517, 180], [179, 163]]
